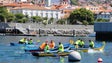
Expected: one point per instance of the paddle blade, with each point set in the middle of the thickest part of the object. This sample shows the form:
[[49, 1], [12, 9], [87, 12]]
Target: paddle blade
[[71, 41], [38, 40]]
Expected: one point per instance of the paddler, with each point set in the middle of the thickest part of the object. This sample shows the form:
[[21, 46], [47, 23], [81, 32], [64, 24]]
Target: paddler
[[23, 41], [81, 43], [91, 44], [60, 47], [52, 44], [30, 41], [46, 49], [42, 46], [77, 43]]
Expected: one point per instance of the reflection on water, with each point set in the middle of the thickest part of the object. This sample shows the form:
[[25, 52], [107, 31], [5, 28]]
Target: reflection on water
[[61, 60]]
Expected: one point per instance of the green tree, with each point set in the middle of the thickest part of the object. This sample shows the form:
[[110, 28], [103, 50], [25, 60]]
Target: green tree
[[10, 17], [61, 21], [37, 19], [3, 14], [45, 18], [101, 20], [85, 22], [19, 18], [81, 15]]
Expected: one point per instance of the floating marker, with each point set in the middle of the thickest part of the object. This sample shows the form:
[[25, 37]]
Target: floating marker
[[100, 60]]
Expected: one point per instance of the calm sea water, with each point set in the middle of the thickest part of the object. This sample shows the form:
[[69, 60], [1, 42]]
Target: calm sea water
[[14, 54]]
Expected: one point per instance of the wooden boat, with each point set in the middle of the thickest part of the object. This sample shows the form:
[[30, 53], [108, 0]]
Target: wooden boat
[[98, 47], [35, 48], [50, 54]]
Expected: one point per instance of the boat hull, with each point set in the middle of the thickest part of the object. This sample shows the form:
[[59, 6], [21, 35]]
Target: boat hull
[[50, 54]]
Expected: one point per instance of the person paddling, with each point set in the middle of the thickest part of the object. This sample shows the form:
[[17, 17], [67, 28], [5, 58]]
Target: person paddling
[[42, 46], [81, 43], [77, 43], [60, 47], [30, 41], [91, 44], [46, 49], [23, 41], [52, 44]]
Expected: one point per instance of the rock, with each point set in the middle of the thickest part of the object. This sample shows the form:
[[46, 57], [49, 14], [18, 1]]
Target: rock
[[74, 56]]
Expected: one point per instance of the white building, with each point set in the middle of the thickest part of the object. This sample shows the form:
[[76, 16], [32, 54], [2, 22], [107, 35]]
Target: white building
[[37, 11], [104, 15]]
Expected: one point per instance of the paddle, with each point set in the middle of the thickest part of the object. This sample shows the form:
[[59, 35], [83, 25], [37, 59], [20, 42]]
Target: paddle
[[71, 41]]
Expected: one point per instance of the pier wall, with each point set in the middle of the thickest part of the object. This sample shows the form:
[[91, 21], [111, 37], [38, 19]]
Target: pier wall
[[79, 29]]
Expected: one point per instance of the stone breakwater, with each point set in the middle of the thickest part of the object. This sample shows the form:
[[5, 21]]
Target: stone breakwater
[[54, 29]]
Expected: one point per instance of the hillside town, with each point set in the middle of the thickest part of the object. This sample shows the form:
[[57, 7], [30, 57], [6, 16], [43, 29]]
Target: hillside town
[[57, 10]]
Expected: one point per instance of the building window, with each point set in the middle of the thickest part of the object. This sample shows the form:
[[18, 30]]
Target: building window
[[36, 14], [31, 13], [25, 13], [56, 16], [42, 14], [46, 14]]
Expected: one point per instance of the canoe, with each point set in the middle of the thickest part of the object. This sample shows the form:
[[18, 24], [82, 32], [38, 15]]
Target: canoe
[[35, 48], [98, 47], [18, 44], [50, 54]]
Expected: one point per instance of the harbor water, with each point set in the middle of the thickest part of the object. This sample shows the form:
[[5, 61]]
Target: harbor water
[[15, 54]]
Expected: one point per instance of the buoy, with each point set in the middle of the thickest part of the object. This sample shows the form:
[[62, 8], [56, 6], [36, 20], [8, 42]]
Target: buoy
[[74, 56], [100, 60]]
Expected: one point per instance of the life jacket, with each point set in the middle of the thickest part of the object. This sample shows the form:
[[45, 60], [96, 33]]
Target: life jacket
[[52, 45], [77, 42], [81, 43], [61, 48], [91, 43], [23, 40], [42, 46], [30, 41], [46, 49]]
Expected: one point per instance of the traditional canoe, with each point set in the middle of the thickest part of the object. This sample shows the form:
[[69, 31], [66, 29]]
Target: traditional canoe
[[50, 54], [98, 47]]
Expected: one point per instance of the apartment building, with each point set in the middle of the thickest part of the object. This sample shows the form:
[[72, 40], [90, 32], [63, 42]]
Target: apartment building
[[37, 11]]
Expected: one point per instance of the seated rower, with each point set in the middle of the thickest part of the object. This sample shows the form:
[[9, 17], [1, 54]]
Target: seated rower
[[77, 43], [91, 44], [23, 41], [52, 44], [30, 41], [81, 43], [61, 47], [46, 49], [42, 46]]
